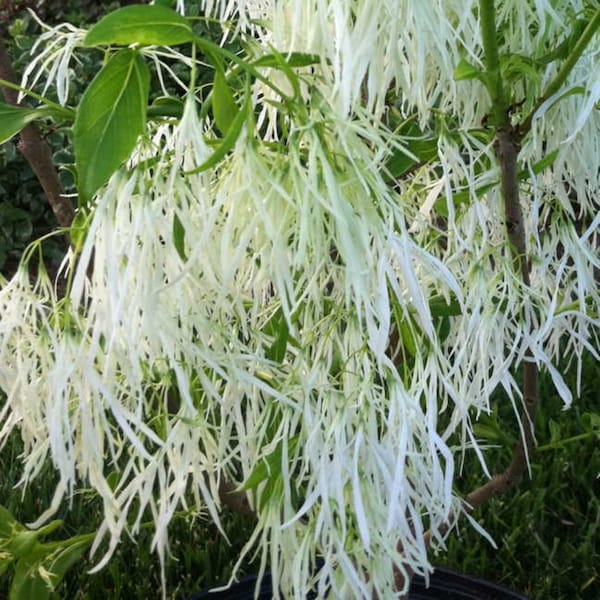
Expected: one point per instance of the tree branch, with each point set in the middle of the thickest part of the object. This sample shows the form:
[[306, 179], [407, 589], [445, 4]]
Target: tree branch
[[36, 151], [507, 147]]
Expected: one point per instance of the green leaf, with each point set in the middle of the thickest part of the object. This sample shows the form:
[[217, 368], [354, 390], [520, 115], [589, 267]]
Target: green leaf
[[295, 60], [418, 146], [515, 67], [276, 352], [149, 25], [228, 141], [440, 308], [110, 117], [8, 523], [408, 339], [12, 214], [443, 329], [591, 422], [545, 162], [22, 543], [465, 70], [555, 431], [539, 166], [179, 237], [269, 468], [79, 228], [14, 118], [224, 108], [60, 562], [166, 106], [28, 582]]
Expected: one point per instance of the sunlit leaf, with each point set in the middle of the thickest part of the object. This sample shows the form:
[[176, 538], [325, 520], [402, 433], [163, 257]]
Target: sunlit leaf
[[224, 107], [269, 468], [295, 59], [110, 117], [141, 24], [465, 70]]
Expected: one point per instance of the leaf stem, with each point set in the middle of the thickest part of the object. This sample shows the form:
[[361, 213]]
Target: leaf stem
[[69, 113]]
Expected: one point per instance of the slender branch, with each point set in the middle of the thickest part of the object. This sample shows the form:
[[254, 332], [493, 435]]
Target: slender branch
[[507, 147], [36, 151], [234, 500], [491, 59]]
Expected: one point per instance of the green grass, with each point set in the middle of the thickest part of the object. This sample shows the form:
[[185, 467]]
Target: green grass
[[547, 531]]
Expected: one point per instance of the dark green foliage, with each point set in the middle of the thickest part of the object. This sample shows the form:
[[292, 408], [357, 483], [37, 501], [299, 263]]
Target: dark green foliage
[[24, 211]]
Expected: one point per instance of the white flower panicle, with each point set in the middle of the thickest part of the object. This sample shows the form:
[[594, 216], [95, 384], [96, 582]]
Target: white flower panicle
[[295, 307]]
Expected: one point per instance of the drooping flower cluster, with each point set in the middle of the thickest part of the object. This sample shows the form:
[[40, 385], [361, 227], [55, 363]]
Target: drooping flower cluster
[[295, 319]]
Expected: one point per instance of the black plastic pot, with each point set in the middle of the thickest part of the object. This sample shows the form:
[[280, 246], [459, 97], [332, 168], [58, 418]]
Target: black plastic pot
[[444, 584]]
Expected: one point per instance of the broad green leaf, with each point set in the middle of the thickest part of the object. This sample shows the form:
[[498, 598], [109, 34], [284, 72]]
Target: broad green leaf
[[539, 166], [443, 329], [591, 422], [110, 117], [465, 70], [12, 214], [28, 581], [271, 327], [515, 67], [224, 107], [401, 162], [14, 118], [228, 141], [273, 489], [423, 148], [149, 25], [292, 76]]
